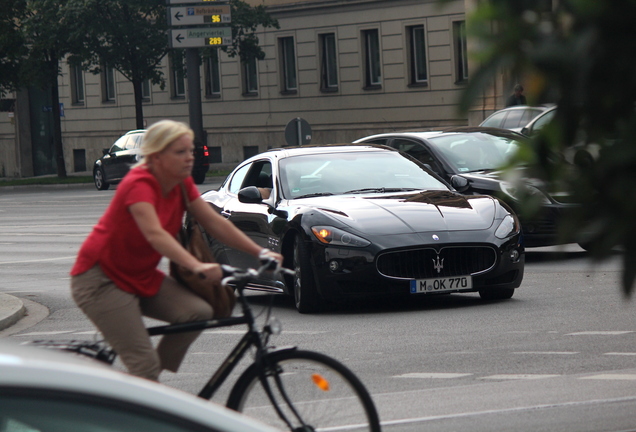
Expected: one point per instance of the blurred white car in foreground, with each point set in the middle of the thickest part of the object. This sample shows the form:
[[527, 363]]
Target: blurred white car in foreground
[[45, 391]]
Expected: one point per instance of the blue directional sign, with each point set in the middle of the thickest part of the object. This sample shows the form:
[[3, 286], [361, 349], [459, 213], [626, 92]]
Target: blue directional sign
[[200, 15]]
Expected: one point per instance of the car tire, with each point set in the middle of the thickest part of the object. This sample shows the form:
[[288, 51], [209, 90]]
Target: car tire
[[306, 297], [497, 293], [198, 176], [98, 178]]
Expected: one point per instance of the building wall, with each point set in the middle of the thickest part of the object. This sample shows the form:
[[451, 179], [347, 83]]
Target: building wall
[[234, 120]]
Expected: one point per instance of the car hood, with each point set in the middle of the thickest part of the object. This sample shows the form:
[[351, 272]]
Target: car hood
[[427, 211]]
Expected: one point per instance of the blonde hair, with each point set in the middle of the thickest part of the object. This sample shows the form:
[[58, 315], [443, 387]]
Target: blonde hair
[[160, 135]]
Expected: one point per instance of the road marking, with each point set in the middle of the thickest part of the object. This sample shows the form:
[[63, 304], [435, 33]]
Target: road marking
[[529, 408], [518, 376], [38, 260], [617, 377], [600, 333], [432, 375], [621, 353], [547, 352], [46, 333], [285, 332]]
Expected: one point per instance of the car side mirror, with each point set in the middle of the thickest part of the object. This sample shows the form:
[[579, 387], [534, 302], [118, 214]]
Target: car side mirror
[[459, 183], [105, 151], [250, 195]]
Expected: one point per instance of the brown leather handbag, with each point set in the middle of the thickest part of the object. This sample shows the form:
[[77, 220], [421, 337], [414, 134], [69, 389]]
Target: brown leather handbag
[[221, 298]]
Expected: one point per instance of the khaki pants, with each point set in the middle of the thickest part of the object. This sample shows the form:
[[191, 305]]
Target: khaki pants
[[118, 316]]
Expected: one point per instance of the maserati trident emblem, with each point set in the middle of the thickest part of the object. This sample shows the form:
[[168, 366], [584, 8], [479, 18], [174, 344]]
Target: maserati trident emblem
[[438, 264]]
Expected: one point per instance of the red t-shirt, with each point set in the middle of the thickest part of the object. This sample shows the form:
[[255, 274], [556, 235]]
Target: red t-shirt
[[117, 244]]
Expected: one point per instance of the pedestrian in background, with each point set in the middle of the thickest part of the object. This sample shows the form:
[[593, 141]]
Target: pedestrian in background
[[517, 98]]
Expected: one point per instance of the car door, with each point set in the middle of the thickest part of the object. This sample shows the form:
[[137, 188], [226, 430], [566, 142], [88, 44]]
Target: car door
[[253, 219]]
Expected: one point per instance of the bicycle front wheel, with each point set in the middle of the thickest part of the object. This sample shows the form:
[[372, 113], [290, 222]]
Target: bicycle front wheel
[[313, 392]]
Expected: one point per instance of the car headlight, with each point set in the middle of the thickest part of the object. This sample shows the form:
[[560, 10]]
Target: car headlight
[[508, 226], [521, 192], [337, 237]]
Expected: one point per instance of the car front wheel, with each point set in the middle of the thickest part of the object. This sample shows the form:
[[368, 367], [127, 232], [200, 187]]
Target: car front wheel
[[98, 177], [306, 297]]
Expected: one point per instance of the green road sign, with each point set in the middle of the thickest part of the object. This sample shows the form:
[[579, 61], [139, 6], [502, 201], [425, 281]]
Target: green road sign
[[200, 37]]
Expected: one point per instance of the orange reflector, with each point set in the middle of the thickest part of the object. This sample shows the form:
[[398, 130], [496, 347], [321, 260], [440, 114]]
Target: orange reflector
[[320, 382]]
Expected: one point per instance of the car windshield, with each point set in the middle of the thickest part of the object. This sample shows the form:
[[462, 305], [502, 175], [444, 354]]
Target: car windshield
[[476, 151], [353, 172]]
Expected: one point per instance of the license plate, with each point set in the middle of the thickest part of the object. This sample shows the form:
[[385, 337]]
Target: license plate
[[446, 284]]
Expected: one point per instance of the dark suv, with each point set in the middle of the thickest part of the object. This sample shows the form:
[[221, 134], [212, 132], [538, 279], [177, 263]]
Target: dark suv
[[117, 160]]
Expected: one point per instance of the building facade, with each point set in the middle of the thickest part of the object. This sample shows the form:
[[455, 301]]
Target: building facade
[[350, 68]]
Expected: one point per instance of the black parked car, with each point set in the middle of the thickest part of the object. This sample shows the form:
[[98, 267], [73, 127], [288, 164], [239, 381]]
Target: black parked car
[[364, 220], [117, 160], [477, 154]]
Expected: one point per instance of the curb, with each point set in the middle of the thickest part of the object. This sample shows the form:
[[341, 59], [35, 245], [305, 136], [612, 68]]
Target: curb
[[11, 310]]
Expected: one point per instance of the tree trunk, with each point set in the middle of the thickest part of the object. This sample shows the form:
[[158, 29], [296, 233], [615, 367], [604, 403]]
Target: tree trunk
[[57, 119], [139, 108]]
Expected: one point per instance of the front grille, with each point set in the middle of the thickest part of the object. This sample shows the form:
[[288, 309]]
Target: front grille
[[425, 263]]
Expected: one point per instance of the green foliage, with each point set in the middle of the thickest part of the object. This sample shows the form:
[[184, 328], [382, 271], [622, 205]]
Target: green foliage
[[245, 21], [580, 55]]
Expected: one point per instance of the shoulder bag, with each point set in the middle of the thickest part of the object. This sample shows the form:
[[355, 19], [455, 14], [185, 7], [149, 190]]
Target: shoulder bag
[[221, 298]]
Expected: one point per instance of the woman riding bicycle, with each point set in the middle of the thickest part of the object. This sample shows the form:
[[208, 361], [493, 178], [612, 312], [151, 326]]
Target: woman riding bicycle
[[115, 279]]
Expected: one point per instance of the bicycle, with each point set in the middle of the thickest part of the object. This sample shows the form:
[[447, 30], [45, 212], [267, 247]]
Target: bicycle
[[289, 388]]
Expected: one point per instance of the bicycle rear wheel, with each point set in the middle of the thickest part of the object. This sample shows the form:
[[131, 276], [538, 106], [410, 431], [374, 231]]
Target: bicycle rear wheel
[[323, 392]]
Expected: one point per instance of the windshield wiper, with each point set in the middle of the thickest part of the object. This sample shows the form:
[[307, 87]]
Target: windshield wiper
[[315, 194], [381, 190]]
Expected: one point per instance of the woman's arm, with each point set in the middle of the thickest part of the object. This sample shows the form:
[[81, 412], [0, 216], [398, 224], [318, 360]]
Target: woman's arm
[[148, 222], [225, 231]]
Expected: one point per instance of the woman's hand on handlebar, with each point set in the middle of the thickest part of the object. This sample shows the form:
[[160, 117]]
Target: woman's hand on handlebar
[[267, 254], [210, 271]]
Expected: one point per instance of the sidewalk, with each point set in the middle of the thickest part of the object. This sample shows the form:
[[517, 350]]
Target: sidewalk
[[11, 310]]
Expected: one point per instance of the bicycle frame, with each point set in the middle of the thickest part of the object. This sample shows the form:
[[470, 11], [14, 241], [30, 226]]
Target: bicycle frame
[[251, 338]]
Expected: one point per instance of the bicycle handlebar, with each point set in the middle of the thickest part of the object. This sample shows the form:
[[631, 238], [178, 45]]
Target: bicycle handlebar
[[235, 274]]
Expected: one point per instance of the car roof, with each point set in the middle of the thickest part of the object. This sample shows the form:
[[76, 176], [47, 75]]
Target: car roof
[[45, 369], [429, 133], [324, 148]]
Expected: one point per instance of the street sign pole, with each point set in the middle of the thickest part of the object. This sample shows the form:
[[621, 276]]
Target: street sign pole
[[194, 94], [202, 16]]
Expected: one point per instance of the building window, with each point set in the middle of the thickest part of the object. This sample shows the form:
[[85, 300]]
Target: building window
[[177, 74], [212, 75], [417, 55], [372, 67], [250, 76], [461, 52], [145, 90], [287, 64], [108, 83], [329, 64], [77, 84]]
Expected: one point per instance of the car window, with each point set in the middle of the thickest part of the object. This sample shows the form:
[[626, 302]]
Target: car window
[[476, 151], [513, 119], [48, 412], [259, 175], [528, 115], [119, 145], [495, 120], [337, 173], [542, 121], [417, 150], [133, 141], [381, 141], [237, 179]]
